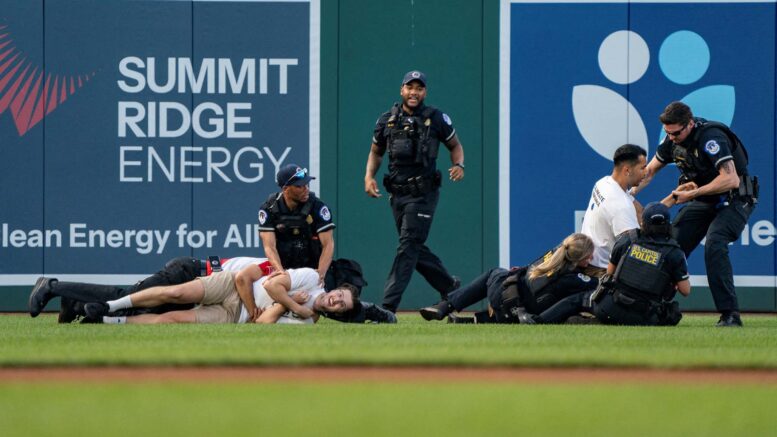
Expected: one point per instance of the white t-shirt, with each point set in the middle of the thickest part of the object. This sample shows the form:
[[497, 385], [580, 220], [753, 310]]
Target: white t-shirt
[[304, 279], [610, 213]]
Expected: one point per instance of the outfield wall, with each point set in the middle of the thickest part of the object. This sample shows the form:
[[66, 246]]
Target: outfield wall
[[100, 144]]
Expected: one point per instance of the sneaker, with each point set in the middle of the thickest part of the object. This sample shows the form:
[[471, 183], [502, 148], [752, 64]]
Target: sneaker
[[68, 310], [730, 320], [436, 312], [96, 310], [40, 295]]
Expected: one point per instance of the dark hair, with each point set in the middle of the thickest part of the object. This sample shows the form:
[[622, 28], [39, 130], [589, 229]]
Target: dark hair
[[676, 113], [357, 304], [629, 154], [663, 230]]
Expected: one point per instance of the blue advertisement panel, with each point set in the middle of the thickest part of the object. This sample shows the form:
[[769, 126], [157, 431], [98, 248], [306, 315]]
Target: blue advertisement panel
[[600, 79], [135, 132]]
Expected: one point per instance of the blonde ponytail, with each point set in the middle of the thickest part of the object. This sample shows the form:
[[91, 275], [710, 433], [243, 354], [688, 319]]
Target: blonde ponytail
[[574, 249]]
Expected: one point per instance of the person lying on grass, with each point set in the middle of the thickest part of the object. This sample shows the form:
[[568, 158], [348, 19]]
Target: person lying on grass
[[293, 296], [511, 293], [75, 295]]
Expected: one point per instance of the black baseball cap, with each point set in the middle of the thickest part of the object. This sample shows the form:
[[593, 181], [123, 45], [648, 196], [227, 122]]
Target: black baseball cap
[[292, 174], [414, 75], [655, 213]]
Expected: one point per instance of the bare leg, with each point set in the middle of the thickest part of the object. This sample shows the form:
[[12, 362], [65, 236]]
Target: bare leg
[[171, 317], [190, 292]]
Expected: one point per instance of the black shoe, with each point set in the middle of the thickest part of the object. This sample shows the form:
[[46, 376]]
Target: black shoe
[[582, 320], [729, 320], [376, 314], [68, 310], [460, 319], [40, 295], [96, 310], [436, 312]]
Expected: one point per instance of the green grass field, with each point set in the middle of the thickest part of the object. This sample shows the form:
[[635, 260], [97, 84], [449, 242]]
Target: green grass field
[[392, 407], [693, 344]]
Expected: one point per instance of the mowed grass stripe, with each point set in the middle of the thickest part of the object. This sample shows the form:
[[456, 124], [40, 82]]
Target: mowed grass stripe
[[384, 409], [412, 342]]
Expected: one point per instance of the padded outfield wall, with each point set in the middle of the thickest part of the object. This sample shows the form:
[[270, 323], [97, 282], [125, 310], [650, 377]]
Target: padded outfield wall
[[93, 142]]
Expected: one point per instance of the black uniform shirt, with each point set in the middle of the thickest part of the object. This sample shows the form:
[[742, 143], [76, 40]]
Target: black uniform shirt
[[320, 217], [440, 129], [675, 264], [705, 155]]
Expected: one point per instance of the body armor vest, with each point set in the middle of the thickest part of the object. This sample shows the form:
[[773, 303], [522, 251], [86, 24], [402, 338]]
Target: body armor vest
[[296, 244], [691, 165], [409, 139], [640, 271]]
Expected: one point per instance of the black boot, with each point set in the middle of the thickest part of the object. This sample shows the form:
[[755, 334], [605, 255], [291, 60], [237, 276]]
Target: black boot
[[437, 312]]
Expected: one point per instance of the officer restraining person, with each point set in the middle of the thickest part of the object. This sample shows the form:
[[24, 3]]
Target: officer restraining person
[[709, 154], [411, 132], [646, 270], [296, 229]]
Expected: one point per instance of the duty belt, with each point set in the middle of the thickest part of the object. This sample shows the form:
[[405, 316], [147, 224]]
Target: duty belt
[[416, 186], [748, 189]]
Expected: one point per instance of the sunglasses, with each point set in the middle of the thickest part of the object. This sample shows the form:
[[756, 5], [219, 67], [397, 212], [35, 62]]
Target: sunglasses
[[299, 175], [677, 132]]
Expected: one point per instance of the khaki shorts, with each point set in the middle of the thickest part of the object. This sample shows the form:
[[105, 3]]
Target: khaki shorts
[[220, 303]]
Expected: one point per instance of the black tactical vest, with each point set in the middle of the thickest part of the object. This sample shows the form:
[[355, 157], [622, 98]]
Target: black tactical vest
[[699, 170], [409, 139], [640, 271], [294, 239]]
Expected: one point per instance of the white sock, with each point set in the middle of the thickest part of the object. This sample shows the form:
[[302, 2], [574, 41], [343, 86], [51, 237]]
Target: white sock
[[119, 304], [114, 320]]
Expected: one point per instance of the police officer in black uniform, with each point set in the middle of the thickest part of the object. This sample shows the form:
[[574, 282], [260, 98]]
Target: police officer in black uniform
[[296, 229], [646, 269], [512, 293], [295, 226], [711, 155], [412, 132]]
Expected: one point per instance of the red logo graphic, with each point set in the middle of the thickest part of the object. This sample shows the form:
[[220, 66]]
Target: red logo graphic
[[20, 86]]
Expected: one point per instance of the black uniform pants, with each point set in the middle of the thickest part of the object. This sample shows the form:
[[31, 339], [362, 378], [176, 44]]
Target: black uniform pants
[[413, 219], [565, 308], [610, 312], [721, 225], [176, 271], [488, 285]]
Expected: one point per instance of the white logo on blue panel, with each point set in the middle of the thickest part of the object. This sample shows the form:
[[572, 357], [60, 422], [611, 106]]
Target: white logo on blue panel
[[624, 57]]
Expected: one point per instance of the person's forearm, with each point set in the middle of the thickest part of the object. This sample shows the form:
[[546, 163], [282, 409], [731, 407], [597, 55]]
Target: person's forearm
[[272, 314], [280, 294], [373, 164], [325, 260]]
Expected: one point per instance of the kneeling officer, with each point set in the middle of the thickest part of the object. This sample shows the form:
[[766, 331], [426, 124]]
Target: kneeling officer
[[648, 268]]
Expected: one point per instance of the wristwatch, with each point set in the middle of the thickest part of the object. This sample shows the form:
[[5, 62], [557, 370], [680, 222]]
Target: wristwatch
[[459, 164]]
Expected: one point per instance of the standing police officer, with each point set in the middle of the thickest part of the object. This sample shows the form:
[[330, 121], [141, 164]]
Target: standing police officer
[[709, 154], [412, 132]]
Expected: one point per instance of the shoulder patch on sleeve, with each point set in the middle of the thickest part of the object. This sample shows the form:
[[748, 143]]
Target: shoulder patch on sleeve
[[325, 214], [262, 216], [447, 119], [712, 147], [583, 277]]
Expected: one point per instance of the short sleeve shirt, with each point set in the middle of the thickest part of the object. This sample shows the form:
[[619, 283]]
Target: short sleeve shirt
[[710, 151], [440, 130], [610, 213], [320, 215], [304, 279]]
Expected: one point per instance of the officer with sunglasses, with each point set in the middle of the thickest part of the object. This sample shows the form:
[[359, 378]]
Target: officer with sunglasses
[[709, 154], [296, 229], [412, 132]]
